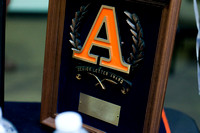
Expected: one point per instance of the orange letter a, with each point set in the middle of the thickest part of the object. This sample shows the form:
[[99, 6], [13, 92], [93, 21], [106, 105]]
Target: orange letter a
[[106, 15]]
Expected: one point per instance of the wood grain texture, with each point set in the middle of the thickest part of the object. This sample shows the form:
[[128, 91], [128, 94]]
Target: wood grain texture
[[52, 60], [92, 129], [55, 26], [161, 66], [51, 123]]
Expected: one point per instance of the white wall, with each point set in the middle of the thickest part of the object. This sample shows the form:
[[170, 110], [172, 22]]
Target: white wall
[[28, 6]]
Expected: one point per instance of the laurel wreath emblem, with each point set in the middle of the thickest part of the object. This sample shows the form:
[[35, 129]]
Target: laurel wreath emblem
[[137, 53], [75, 26]]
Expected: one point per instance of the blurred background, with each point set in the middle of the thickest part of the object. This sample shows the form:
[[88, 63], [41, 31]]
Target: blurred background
[[25, 44]]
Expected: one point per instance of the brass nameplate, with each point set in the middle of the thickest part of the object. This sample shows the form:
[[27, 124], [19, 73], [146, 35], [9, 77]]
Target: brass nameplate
[[99, 109]]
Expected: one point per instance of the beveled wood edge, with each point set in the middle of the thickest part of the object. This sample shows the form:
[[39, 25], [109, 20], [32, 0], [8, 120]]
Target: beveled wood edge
[[52, 60], [92, 129], [50, 122], [53, 46], [161, 67], [55, 26]]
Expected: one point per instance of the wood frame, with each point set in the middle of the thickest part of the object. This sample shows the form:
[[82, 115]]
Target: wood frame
[[55, 26]]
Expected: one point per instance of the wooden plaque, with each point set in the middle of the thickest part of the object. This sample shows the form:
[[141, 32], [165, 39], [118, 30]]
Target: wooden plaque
[[108, 56]]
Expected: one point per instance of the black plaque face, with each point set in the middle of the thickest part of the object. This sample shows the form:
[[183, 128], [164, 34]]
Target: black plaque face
[[127, 89]]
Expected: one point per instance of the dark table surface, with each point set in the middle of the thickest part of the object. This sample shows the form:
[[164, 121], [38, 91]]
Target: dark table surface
[[26, 118]]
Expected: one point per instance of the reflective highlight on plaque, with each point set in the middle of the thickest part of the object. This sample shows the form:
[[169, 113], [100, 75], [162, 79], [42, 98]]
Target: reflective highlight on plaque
[[99, 109]]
